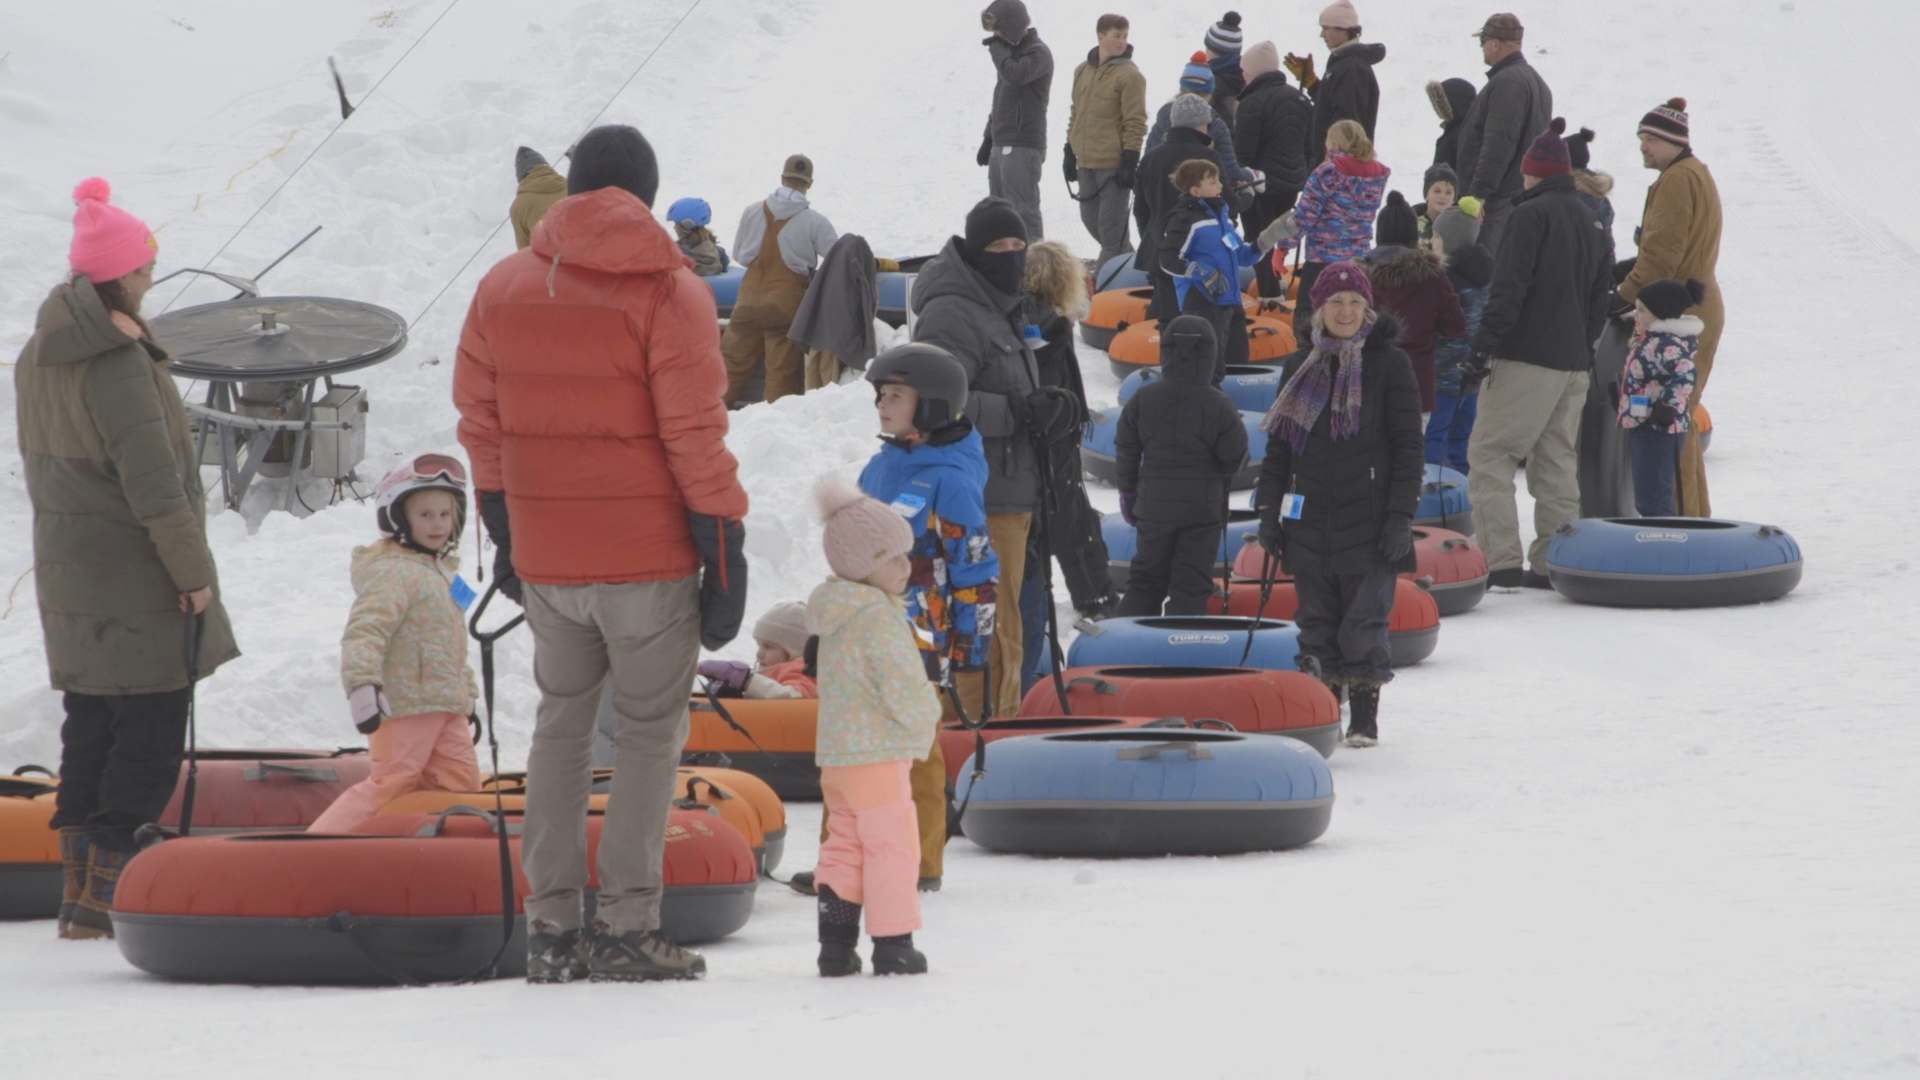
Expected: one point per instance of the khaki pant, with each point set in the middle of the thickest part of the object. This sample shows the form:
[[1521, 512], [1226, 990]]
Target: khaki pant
[[1009, 535], [1532, 414], [643, 637], [762, 332], [823, 369]]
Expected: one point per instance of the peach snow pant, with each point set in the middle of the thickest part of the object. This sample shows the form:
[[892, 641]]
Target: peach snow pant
[[872, 853], [430, 751]]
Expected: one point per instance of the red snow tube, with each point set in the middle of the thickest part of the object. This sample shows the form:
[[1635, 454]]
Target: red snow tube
[[956, 742], [1270, 702], [259, 790], [414, 898], [1452, 567], [1413, 627]]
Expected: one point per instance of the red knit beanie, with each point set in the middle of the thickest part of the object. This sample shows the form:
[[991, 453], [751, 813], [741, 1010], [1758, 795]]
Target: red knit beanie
[[1548, 155]]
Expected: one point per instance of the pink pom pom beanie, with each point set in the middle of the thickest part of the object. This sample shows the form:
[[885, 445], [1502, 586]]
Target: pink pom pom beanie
[[108, 242], [862, 533]]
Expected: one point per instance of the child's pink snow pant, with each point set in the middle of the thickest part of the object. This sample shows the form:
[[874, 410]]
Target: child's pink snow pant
[[431, 751], [872, 852]]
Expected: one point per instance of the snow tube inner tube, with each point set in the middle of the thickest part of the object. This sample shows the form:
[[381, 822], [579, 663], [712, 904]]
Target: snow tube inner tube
[[1672, 562], [30, 875], [1187, 641], [1252, 387], [265, 790], [784, 730], [1113, 311], [726, 288], [1252, 701], [1123, 540], [957, 742], [1443, 501], [1413, 626], [1147, 793], [414, 899]]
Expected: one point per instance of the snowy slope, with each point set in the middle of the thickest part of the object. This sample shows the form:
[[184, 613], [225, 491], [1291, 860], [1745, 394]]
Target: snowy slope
[[1595, 843]]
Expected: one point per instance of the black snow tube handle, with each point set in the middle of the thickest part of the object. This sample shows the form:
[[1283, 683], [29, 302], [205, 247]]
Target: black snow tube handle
[[439, 823], [1213, 723], [28, 770], [1100, 685]]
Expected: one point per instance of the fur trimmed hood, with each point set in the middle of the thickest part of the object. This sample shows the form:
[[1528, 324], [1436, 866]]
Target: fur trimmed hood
[[1597, 184], [1402, 267], [1683, 326]]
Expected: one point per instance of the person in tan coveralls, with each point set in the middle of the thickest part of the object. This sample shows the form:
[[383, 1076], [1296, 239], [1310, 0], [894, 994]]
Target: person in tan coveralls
[[780, 241]]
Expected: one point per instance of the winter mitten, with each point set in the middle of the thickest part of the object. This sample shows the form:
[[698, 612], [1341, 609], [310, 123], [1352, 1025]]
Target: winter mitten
[[1281, 229], [1302, 68], [1126, 508], [493, 515], [723, 585], [1396, 538], [1041, 408], [1129, 165], [1070, 164], [726, 674], [1661, 415], [986, 151], [1272, 536], [368, 704]]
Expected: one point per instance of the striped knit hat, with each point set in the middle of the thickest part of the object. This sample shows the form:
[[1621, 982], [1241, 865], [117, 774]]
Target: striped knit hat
[[1548, 154], [1197, 77], [1667, 122], [1223, 37]]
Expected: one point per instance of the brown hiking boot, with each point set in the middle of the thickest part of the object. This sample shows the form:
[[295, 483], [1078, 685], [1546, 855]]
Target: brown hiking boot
[[74, 846], [93, 913], [640, 956]]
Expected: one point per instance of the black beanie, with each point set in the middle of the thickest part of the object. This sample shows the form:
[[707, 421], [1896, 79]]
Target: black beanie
[[1396, 224], [614, 155], [1438, 172], [992, 219], [1577, 147], [1668, 299]]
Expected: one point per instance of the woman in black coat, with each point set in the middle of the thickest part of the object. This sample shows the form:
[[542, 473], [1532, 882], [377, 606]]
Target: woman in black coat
[[1344, 443]]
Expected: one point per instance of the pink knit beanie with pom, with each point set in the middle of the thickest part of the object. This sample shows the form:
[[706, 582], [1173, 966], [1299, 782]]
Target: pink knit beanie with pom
[[862, 533], [108, 242]]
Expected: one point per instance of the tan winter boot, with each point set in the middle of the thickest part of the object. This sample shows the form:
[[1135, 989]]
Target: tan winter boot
[[93, 915], [74, 846]]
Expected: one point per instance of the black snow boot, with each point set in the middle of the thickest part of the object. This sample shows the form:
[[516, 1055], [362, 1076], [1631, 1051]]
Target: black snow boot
[[896, 956], [802, 883], [1363, 725], [839, 933]]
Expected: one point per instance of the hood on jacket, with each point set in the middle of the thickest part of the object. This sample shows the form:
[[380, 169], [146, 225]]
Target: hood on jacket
[[1597, 184], [1473, 264], [1191, 135], [1548, 185], [543, 180], [1397, 267], [1261, 82], [1010, 16], [1188, 361], [949, 274], [785, 203], [1680, 325], [838, 602], [608, 230], [1367, 52], [1093, 56], [1352, 166], [371, 555], [1451, 99], [73, 325]]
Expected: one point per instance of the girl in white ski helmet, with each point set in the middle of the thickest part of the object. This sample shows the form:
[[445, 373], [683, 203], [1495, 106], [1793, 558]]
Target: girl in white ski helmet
[[403, 658]]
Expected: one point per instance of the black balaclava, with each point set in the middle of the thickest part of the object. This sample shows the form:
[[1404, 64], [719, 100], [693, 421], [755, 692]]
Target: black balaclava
[[990, 220]]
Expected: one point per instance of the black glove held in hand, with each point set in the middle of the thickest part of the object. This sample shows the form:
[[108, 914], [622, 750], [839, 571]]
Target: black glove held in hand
[[493, 515], [986, 151], [1070, 165], [1661, 415], [723, 583], [1396, 538], [1129, 164], [1271, 536], [1474, 369]]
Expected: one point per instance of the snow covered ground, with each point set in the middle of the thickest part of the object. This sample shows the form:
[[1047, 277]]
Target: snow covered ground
[[1594, 843]]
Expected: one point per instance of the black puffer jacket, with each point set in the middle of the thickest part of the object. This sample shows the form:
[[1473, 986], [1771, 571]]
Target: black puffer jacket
[[1507, 115], [1350, 486], [1348, 91], [1153, 194], [1551, 279], [1020, 92], [1180, 440], [1273, 131]]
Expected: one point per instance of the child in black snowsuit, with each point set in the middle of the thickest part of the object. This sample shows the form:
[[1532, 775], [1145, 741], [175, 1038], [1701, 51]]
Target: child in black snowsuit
[[1179, 443]]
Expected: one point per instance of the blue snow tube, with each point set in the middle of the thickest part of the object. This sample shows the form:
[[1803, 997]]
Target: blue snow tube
[[1147, 792], [1097, 449], [1253, 387], [1186, 641], [1122, 541], [1672, 562], [1118, 273], [1444, 502], [893, 298], [726, 288]]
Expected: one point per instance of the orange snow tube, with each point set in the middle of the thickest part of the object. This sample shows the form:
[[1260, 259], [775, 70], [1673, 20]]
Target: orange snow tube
[[413, 898], [1413, 626], [1111, 312], [1703, 423], [777, 746], [30, 878], [1269, 339], [1270, 702], [257, 790], [1136, 347]]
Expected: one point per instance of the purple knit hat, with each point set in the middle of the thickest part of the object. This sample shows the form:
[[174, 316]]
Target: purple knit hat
[[1343, 276], [1548, 155]]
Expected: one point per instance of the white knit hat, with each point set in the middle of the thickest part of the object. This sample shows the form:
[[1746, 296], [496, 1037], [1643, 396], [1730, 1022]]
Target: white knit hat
[[784, 624], [1340, 15]]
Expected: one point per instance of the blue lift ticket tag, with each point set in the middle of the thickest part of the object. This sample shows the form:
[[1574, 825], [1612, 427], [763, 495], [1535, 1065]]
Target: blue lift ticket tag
[[463, 593], [1639, 405], [1290, 506]]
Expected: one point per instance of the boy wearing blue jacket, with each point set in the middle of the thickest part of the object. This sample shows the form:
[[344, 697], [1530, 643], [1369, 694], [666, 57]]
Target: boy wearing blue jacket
[[933, 472], [1456, 400], [1202, 252]]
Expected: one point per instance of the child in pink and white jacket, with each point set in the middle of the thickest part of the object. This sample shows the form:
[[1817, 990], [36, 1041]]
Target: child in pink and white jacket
[[1657, 387], [877, 715], [403, 657]]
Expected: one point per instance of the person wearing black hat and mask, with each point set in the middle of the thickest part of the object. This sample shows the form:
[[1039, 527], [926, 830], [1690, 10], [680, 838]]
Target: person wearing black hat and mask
[[540, 188], [969, 301]]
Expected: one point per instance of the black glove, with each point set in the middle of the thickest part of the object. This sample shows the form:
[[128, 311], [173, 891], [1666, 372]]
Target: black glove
[[1474, 369], [1042, 408], [1396, 538], [493, 515], [723, 585], [1661, 415], [1070, 165], [1624, 267], [986, 151], [1129, 164], [1271, 536]]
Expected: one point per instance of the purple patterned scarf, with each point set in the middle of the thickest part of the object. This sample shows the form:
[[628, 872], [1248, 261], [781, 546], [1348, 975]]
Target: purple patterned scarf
[[1299, 405]]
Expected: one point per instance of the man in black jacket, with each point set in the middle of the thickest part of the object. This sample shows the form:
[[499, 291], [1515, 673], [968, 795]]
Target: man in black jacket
[[1015, 144], [1272, 130], [1505, 117], [1179, 442], [1535, 350], [1348, 91], [1154, 195]]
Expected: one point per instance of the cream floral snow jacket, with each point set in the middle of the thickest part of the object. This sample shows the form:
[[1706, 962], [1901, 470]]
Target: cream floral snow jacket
[[405, 634], [875, 701]]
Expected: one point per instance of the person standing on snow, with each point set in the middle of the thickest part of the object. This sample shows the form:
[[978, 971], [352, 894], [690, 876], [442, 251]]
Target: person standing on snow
[[1349, 90], [1533, 358], [540, 188], [1505, 117], [1015, 144], [120, 556], [780, 241], [1106, 125], [1272, 126], [1679, 238], [588, 382]]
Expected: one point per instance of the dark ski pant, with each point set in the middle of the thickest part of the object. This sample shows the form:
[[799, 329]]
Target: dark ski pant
[[1343, 622], [1072, 536], [119, 763], [1171, 564], [1656, 461], [1229, 329], [1267, 206]]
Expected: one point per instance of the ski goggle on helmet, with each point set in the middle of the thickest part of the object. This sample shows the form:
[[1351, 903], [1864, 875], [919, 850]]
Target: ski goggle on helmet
[[425, 472]]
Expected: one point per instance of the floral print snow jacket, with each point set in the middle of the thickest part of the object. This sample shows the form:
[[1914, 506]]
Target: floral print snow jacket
[[405, 633], [1660, 366], [875, 701], [1336, 210]]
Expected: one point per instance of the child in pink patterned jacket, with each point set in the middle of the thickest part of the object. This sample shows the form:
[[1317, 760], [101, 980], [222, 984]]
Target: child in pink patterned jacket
[[1656, 388]]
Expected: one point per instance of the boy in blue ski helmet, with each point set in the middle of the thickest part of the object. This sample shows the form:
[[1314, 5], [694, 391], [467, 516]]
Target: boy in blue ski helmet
[[690, 217]]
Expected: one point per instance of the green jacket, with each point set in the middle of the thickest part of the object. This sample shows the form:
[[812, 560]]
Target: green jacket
[[119, 516], [875, 701], [405, 634], [1109, 110], [538, 192]]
